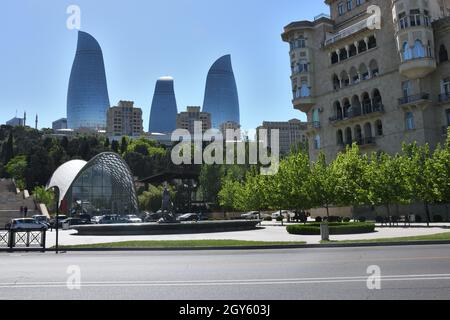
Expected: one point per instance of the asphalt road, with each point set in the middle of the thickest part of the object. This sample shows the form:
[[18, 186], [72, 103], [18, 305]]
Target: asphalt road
[[419, 272]]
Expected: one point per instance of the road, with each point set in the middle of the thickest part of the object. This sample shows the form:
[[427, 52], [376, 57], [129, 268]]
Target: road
[[416, 272]]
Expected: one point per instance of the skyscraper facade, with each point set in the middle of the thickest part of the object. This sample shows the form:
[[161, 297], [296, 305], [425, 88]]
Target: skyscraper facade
[[221, 95], [87, 97], [163, 115]]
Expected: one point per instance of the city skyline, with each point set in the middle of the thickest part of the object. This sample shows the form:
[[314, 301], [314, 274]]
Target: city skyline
[[131, 73]]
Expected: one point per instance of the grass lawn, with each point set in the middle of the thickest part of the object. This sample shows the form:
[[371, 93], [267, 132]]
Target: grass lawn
[[432, 237], [180, 244]]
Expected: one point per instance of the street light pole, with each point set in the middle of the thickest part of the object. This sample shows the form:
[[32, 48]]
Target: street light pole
[[56, 190]]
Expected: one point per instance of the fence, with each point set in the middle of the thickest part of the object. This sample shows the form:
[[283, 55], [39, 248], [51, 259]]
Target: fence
[[29, 240]]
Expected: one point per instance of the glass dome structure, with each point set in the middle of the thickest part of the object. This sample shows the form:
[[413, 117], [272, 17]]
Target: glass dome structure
[[101, 186]]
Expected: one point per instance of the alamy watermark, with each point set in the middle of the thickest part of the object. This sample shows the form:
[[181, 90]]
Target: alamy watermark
[[374, 21], [74, 280], [74, 20], [374, 279], [226, 148]]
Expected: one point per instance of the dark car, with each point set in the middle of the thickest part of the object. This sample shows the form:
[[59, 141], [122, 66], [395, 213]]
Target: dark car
[[25, 224], [189, 217], [112, 219], [61, 218], [68, 223], [153, 217]]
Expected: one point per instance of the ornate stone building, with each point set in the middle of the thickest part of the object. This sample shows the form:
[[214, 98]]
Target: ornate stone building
[[375, 72]]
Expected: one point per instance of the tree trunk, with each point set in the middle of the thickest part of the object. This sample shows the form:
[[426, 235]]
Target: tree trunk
[[328, 212], [389, 214], [427, 210]]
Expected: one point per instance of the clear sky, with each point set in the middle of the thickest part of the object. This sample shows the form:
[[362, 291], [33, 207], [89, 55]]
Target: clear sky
[[143, 40]]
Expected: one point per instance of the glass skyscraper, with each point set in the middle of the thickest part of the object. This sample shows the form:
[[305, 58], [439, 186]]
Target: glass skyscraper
[[87, 97], [221, 96], [163, 115]]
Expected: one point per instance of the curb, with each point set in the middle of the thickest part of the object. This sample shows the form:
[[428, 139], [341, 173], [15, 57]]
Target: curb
[[240, 248]]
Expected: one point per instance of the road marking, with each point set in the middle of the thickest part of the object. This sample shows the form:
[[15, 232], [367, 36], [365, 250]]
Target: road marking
[[242, 282]]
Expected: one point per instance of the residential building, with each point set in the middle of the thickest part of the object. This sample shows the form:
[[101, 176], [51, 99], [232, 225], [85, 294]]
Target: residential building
[[221, 95], [124, 120], [186, 120], [163, 115], [292, 133], [87, 97], [377, 77]]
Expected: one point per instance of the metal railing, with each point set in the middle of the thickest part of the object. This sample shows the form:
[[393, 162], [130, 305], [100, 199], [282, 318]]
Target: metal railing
[[414, 98], [347, 32], [18, 239], [368, 109]]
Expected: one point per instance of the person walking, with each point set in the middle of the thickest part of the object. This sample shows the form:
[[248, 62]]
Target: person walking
[[25, 211], [21, 211]]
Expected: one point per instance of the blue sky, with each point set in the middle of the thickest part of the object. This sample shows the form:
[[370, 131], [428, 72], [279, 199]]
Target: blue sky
[[143, 40]]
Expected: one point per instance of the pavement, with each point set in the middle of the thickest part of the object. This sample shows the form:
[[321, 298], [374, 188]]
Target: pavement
[[269, 232], [392, 273]]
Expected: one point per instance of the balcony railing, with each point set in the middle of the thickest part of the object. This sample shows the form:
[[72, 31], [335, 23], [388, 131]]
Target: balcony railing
[[316, 124], [368, 109], [444, 97], [365, 141], [414, 98], [347, 32]]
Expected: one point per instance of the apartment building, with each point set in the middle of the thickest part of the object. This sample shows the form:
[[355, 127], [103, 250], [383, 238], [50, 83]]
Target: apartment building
[[186, 120], [374, 72], [292, 133], [124, 120]]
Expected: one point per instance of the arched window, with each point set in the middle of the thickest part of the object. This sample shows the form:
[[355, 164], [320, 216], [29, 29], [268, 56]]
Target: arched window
[[443, 54], [358, 134], [368, 130], [377, 100], [409, 121], [334, 58], [366, 103], [352, 51], [340, 138], [347, 108], [372, 42], [362, 46], [419, 50], [317, 142], [363, 71], [345, 79], [354, 76], [356, 106], [348, 136], [374, 68], [338, 110], [379, 128], [305, 91], [336, 82], [407, 53], [343, 54]]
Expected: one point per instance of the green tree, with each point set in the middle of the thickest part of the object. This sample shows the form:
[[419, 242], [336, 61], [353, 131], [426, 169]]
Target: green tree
[[439, 171], [124, 145], [210, 182], [8, 149], [16, 168], [44, 196], [321, 185], [107, 143], [115, 146]]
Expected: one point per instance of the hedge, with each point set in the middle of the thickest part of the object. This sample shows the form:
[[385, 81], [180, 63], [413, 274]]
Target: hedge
[[335, 228]]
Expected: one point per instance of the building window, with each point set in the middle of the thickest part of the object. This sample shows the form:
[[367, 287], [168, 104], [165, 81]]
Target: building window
[[317, 142], [305, 91], [407, 52], [349, 5], [414, 17], [446, 86], [443, 54], [426, 18], [448, 117], [410, 125], [403, 20], [341, 8], [406, 88], [334, 58], [379, 127], [419, 51]]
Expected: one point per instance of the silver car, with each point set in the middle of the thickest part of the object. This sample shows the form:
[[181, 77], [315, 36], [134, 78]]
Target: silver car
[[25, 224]]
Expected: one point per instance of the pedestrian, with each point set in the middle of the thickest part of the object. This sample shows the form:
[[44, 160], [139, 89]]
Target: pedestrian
[[25, 211], [21, 211]]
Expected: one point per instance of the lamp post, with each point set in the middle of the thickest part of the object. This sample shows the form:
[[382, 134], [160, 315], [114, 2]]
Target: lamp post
[[56, 191]]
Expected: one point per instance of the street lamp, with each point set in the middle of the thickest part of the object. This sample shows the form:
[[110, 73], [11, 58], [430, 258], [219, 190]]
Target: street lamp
[[56, 191]]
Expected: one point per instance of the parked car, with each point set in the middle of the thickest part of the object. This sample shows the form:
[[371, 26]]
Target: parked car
[[253, 215], [132, 218], [68, 223], [61, 218], [189, 217], [25, 224], [112, 219], [42, 219], [96, 219], [153, 217], [284, 213]]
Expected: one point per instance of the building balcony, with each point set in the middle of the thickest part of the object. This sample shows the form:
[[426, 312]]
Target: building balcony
[[417, 67], [444, 97], [369, 110], [420, 98], [361, 142], [347, 32], [304, 104]]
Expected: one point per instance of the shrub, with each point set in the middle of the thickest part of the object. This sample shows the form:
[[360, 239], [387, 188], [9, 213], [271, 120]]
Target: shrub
[[280, 218], [438, 218], [362, 219], [346, 220], [333, 219], [335, 228], [418, 218], [267, 218], [319, 219], [379, 219]]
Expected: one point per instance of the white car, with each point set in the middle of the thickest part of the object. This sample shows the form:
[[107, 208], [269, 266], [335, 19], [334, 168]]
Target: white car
[[285, 214], [133, 219], [253, 215], [25, 224], [96, 219]]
